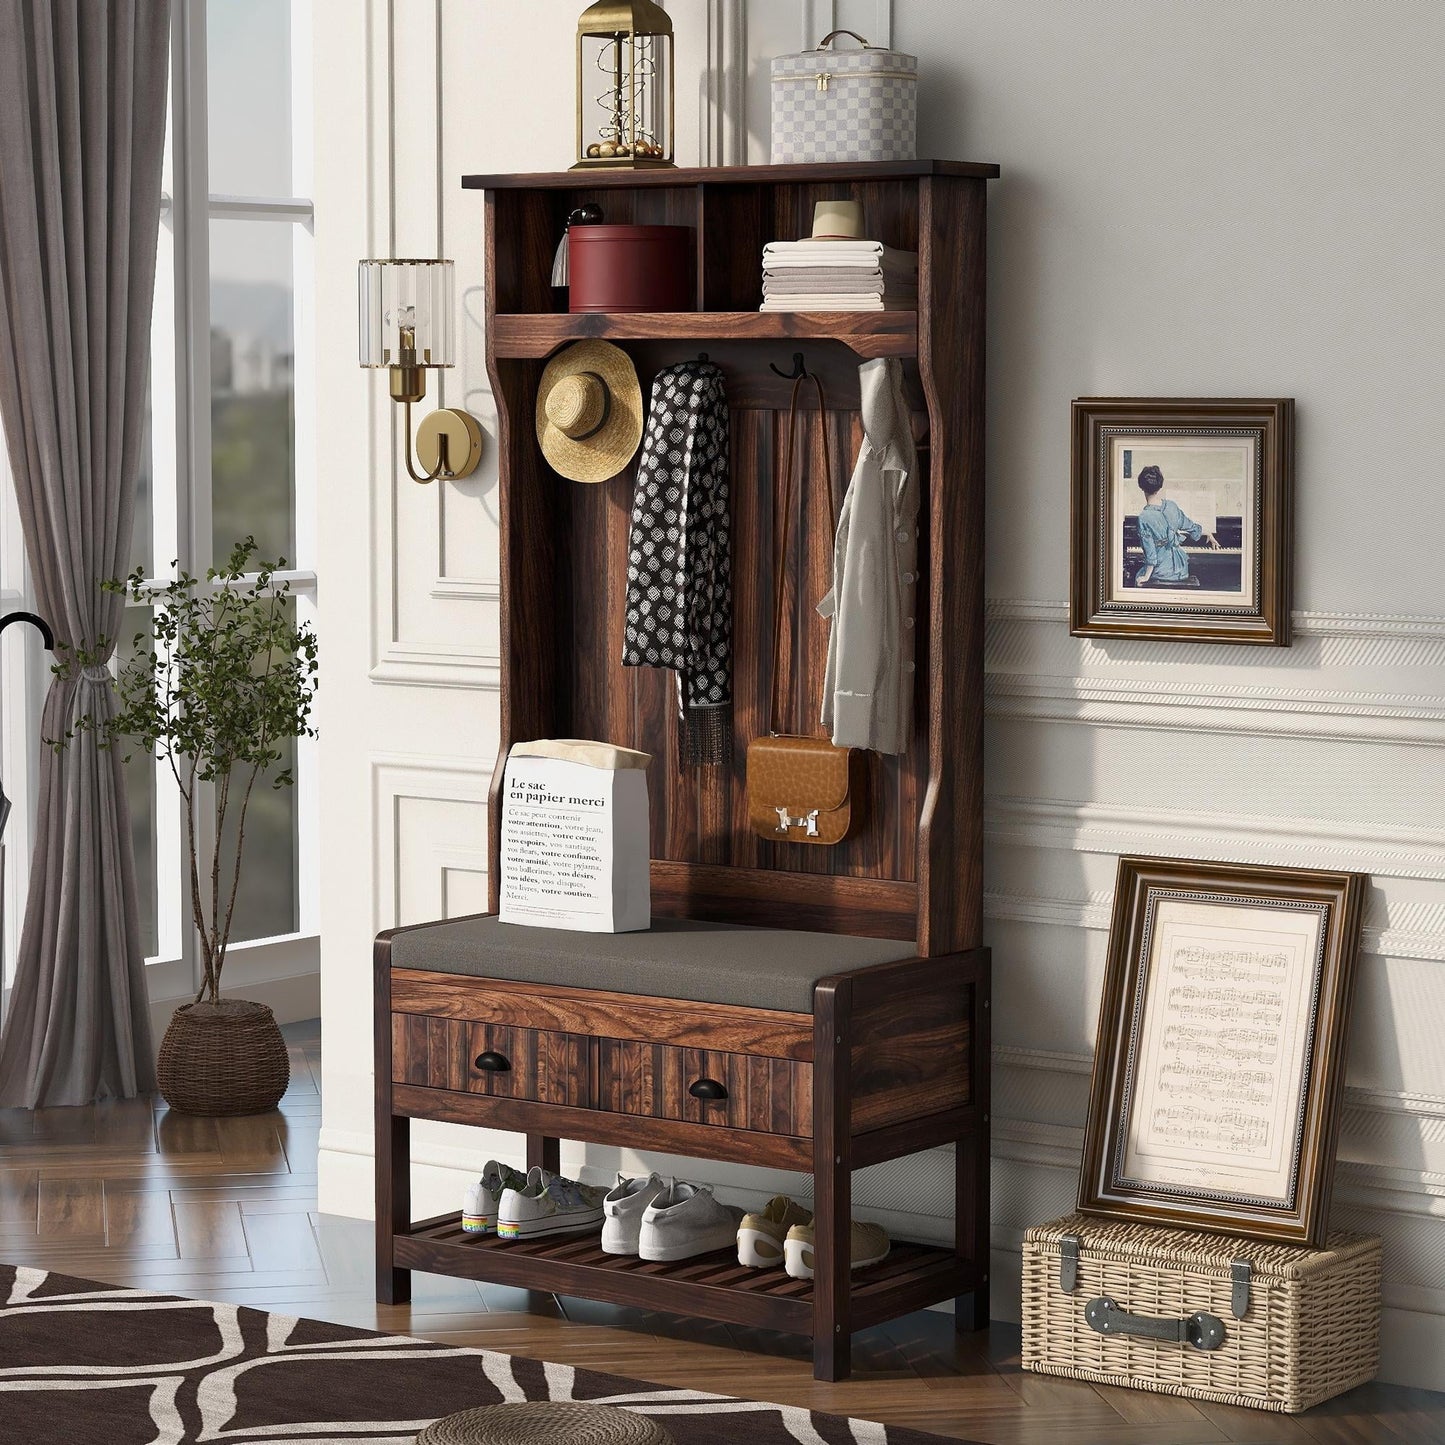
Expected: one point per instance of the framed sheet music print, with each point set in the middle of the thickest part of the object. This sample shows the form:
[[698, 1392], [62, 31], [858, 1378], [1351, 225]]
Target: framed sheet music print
[[1219, 1067], [1181, 519]]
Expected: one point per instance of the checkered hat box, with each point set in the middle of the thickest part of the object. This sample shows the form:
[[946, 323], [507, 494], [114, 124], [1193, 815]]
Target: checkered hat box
[[845, 105]]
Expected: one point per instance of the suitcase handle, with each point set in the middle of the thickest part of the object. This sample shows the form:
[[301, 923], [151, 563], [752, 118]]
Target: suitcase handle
[[832, 35], [1202, 1330]]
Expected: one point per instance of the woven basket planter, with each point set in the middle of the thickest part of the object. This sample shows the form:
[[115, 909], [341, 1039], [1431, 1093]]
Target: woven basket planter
[[223, 1058]]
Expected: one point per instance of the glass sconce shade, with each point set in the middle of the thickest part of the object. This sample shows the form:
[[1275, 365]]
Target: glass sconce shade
[[404, 323], [404, 313]]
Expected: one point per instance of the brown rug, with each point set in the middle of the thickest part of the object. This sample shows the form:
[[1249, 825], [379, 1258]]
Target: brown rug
[[81, 1361]]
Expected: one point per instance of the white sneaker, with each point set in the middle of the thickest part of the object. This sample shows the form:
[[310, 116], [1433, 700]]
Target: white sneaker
[[548, 1204], [685, 1220], [623, 1209], [479, 1204]]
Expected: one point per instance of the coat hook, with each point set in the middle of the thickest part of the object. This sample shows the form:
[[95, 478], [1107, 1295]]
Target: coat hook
[[798, 372]]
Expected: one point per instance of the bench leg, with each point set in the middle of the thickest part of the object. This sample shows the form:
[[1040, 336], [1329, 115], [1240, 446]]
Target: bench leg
[[544, 1152], [971, 1203], [832, 1184], [393, 1205], [832, 1272]]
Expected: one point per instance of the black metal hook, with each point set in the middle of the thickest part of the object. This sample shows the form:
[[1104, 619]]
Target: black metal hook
[[46, 634], [798, 372]]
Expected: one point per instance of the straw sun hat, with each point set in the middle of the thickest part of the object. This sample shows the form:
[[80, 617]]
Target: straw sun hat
[[589, 411]]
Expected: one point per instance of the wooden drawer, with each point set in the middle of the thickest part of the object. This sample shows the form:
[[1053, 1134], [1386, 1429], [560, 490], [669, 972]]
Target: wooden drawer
[[441, 1053], [595, 1013], [767, 1095]]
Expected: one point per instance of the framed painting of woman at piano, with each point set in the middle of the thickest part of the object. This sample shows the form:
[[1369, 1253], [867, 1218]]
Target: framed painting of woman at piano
[[1181, 524]]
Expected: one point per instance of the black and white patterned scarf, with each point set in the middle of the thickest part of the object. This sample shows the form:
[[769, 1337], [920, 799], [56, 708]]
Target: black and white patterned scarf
[[679, 562]]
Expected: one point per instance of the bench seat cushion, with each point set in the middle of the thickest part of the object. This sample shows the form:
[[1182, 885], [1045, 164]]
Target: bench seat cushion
[[770, 968]]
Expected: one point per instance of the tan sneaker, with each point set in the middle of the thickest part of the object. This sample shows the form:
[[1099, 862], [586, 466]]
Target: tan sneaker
[[761, 1235], [869, 1246]]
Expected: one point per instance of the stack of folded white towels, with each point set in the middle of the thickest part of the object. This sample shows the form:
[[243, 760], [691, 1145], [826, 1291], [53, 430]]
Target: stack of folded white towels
[[838, 276]]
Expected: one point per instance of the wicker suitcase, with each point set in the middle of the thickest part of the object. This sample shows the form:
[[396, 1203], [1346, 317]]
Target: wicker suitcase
[[1274, 1326]]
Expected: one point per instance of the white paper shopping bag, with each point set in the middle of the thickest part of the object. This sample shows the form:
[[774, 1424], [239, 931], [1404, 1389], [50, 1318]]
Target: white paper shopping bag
[[575, 837]]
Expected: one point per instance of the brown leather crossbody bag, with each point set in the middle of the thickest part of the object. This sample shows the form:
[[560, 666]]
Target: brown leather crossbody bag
[[800, 789]]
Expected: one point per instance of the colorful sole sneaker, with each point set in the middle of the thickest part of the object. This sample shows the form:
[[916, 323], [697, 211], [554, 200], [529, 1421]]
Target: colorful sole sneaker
[[685, 1220], [548, 1204], [623, 1209], [761, 1235], [869, 1246], [479, 1205]]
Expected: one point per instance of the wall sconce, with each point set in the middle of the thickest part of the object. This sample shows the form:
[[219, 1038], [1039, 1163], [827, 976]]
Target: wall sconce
[[404, 312]]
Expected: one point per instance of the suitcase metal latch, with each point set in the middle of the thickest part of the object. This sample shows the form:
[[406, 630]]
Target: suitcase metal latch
[[1069, 1263], [1240, 1273]]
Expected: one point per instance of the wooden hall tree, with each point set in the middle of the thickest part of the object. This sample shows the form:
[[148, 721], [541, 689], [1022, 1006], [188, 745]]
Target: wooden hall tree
[[893, 1056]]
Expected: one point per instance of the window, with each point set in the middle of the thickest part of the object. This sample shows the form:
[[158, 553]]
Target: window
[[230, 451]]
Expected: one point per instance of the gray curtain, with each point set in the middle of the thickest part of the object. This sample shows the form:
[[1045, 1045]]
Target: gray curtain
[[82, 128]]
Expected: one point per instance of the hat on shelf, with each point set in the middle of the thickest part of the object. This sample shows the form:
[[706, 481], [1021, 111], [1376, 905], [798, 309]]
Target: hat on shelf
[[838, 221], [589, 411]]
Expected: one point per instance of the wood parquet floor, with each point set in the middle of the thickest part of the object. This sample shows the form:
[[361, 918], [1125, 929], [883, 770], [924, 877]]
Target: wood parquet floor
[[132, 1194]]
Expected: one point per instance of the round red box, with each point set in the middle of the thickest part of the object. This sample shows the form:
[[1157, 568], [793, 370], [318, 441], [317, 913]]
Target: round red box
[[629, 268]]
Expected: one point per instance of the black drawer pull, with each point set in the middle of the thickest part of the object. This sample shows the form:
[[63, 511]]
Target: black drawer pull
[[707, 1089], [492, 1062]]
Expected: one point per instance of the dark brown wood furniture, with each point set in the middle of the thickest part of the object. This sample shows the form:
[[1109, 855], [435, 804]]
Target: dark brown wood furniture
[[893, 1055]]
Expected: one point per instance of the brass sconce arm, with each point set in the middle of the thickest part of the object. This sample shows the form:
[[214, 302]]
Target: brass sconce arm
[[440, 470], [444, 434]]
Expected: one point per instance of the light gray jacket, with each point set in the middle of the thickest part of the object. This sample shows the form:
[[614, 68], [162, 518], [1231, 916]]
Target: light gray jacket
[[868, 688]]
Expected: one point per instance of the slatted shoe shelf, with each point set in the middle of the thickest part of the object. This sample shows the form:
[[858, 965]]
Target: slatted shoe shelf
[[764, 1298]]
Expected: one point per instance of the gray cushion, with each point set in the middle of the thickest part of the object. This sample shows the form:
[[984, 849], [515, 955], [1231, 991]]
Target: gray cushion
[[676, 958]]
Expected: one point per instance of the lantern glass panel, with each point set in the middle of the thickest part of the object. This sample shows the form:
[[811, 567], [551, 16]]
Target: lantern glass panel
[[404, 313], [625, 109]]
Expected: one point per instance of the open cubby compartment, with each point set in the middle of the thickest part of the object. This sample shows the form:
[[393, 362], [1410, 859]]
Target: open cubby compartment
[[913, 868], [731, 220]]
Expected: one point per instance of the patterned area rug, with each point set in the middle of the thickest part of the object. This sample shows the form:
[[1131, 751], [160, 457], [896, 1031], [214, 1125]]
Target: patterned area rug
[[81, 1361]]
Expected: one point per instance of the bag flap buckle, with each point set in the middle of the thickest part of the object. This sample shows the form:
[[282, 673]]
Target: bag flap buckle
[[807, 821]]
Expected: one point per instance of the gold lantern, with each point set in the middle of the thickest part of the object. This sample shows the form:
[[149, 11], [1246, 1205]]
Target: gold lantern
[[624, 86]]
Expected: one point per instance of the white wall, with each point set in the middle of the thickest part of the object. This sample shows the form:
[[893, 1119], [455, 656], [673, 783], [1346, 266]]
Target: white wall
[[1198, 198]]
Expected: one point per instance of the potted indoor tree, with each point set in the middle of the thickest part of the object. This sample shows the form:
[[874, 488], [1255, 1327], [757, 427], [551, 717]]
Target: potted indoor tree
[[222, 682]]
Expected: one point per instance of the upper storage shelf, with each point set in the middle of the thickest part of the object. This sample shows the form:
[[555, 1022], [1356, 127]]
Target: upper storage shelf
[[734, 212], [728, 175]]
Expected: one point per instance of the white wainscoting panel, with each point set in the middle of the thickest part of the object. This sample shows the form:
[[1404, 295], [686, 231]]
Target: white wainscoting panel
[[431, 835]]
